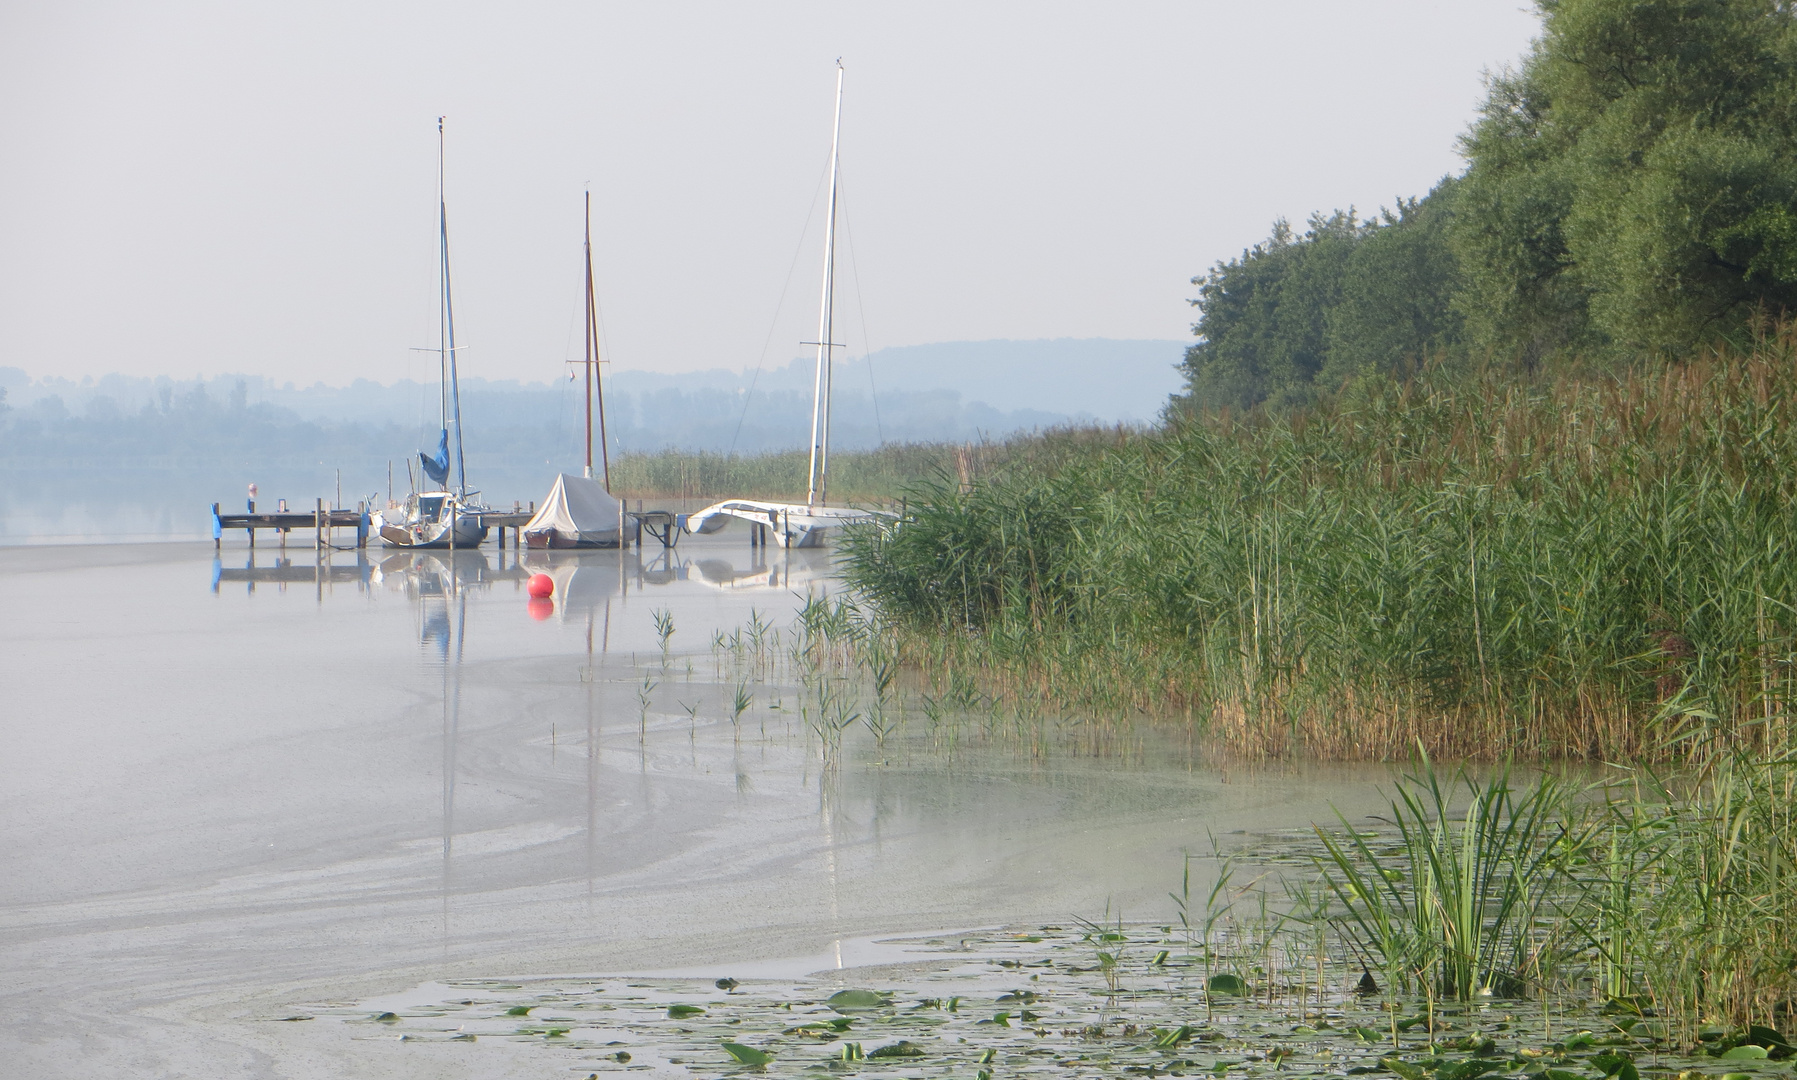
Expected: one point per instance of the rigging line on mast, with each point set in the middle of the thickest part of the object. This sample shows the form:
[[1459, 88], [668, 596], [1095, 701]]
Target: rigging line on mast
[[848, 235], [442, 289], [593, 337], [596, 328], [817, 483], [455, 389], [773, 325]]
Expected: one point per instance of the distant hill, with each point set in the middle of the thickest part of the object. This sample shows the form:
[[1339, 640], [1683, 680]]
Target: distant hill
[[122, 456], [950, 390]]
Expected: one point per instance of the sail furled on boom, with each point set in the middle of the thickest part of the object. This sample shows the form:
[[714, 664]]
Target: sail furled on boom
[[437, 468]]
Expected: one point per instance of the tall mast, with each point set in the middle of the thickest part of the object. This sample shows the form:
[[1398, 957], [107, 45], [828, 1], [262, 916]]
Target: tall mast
[[597, 390], [817, 487], [452, 403], [588, 335], [442, 290]]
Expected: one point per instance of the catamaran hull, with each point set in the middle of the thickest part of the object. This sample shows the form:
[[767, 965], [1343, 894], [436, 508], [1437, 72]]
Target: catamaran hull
[[792, 525]]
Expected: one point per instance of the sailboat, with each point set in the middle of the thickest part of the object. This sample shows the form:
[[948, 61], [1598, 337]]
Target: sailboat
[[580, 511], [801, 525], [445, 516]]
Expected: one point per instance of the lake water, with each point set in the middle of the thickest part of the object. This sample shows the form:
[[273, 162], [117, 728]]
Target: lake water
[[234, 784]]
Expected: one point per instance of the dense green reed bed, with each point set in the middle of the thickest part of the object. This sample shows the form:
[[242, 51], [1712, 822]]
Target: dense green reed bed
[[1598, 566]]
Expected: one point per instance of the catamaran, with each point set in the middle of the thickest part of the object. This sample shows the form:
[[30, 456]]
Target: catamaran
[[801, 525], [445, 516], [580, 511]]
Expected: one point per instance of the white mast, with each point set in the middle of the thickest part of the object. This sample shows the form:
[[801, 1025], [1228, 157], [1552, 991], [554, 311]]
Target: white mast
[[442, 290], [450, 392], [817, 487]]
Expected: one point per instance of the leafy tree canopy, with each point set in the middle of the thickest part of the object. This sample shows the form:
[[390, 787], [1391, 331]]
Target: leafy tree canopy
[[1634, 182], [1631, 189], [1295, 312]]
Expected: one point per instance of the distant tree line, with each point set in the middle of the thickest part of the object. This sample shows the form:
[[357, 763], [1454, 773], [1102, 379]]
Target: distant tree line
[[1630, 191]]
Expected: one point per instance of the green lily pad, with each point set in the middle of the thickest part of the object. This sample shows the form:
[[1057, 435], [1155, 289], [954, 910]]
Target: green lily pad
[[1404, 1069], [1468, 1070], [901, 1049], [680, 1012], [1746, 1052], [849, 1000], [1227, 984], [747, 1055]]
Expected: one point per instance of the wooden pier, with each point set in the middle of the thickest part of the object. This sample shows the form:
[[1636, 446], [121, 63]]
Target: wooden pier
[[514, 520], [323, 522]]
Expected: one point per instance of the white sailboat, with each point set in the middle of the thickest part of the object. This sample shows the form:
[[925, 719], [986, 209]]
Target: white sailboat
[[447, 516], [800, 525], [580, 511]]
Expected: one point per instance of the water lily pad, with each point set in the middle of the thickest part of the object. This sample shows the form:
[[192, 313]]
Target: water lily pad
[[1404, 1069], [904, 1048], [1747, 1052], [747, 1055], [679, 1012], [850, 1000], [1227, 984]]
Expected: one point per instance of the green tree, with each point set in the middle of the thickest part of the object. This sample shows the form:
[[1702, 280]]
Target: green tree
[[1634, 182], [1263, 317], [1297, 314], [1396, 297]]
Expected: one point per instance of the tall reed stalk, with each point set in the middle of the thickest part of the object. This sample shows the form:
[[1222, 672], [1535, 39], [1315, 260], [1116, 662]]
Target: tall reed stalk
[[1458, 905]]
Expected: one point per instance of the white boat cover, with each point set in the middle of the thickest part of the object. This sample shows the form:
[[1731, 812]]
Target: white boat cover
[[578, 511]]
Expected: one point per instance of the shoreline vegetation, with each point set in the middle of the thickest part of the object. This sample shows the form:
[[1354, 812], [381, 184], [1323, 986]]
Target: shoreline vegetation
[[1488, 566], [1653, 907]]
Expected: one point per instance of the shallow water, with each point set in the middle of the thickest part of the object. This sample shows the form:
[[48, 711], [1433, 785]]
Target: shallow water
[[239, 784]]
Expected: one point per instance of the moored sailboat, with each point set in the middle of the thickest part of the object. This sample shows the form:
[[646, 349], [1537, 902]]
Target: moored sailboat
[[580, 511], [798, 525], [447, 515]]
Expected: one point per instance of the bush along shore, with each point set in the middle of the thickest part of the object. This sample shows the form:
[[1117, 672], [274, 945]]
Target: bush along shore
[[1595, 566]]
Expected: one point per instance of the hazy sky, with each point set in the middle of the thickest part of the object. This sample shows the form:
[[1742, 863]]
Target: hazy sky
[[203, 188]]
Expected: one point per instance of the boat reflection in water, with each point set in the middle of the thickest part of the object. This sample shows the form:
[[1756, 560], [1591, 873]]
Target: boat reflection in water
[[584, 579]]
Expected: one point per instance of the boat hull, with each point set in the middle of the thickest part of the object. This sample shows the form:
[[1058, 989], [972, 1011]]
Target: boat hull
[[457, 528], [556, 540], [791, 525]]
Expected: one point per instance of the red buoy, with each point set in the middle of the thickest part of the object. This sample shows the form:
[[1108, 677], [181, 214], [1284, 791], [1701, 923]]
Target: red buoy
[[540, 587], [540, 608]]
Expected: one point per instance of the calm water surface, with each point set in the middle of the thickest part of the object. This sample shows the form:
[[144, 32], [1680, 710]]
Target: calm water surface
[[230, 785]]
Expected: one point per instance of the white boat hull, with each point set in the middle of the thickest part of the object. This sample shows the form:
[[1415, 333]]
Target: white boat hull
[[792, 525], [430, 520]]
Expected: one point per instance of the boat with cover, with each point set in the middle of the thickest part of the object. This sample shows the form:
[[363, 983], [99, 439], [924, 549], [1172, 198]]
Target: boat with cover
[[447, 516], [802, 525], [580, 511]]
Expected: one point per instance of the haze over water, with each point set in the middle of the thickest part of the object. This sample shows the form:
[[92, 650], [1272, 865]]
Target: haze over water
[[237, 784]]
